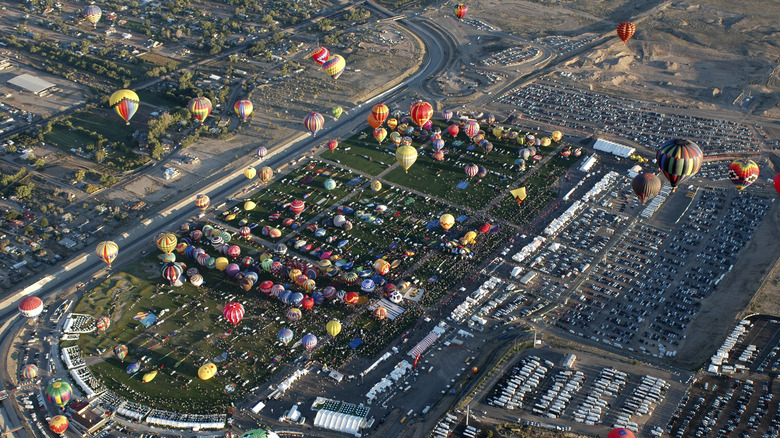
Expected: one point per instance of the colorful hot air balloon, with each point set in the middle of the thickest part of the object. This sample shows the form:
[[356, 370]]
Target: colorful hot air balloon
[[406, 156], [261, 152], [621, 433], [743, 172], [202, 201], [646, 186], [58, 424], [133, 368], [460, 11], [557, 135], [250, 172], [471, 169], [93, 14], [294, 314], [120, 351], [31, 307], [297, 206], [438, 155], [337, 111], [207, 371], [107, 251], [471, 128], [166, 242], [102, 323], [333, 144], [124, 103], [309, 342], [200, 108], [243, 108], [626, 30], [334, 66], [380, 134], [320, 55], [29, 371], [380, 313], [59, 392], [380, 112], [266, 173], [333, 328], [376, 185], [392, 123], [420, 112], [233, 312], [447, 221], [313, 122], [679, 160], [446, 115]]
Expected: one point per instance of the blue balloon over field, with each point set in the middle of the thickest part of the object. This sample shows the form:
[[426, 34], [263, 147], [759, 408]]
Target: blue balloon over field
[[368, 285], [285, 296], [133, 368], [285, 335], [318, 298], [296, 298]]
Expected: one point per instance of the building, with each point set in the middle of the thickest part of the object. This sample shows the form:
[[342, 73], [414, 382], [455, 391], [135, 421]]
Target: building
[[88, 418], [33, 84], [588, 163], [568, 361], [529, 277], [613, 148]]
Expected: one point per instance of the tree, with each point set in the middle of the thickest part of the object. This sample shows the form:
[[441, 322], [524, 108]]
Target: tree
[[44, 222], [100, 155], [91, 188], [40, 163], [80, 174], [25, 190], [12, 214]]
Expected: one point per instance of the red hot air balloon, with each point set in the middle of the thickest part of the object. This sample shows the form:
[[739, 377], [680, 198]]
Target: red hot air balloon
[[460, 11], [484, 228], [621, 433], [471, 169], [438, 155], [297, 206], [380, 112], [333, 144], [471, 128], [453, 130], [320, 55], [233, 312], [626, 30], [777, 183], [420, 112]]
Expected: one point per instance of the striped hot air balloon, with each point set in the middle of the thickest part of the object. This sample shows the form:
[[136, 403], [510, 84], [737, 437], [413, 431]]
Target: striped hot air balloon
[[261, 152], [380, 112], [166, 242], [93, 14], [313, 122], [266, 173], [471, 169], [200, 108], [334, 66], [202, 201], [59, 392], [626, 30], [243, 108], [406, 156], [233, 312], [337, 111], [460, 11], [29, 372], [124, 103], [320, 55], [420, 112], [679, 160], [107, 251]]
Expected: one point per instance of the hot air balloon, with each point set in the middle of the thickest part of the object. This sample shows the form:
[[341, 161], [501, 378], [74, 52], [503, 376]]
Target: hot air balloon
[[102, 323], [59, 392], [420, 112], [380, 134], [337, 111], [743, 172], [382, 266], [202, 201], [58, 424], [372, 122], [621, 433], [486, 146], [171, 272], [250, 172], [207, 371], [438, 144], [351, 297], [166, 242], [557, 135], [31, 307], [334, 66], [333, 328], [471, 169], [396, 137], [29, 371], [392, 123], [460, 11], [233, 312], [266, 173], [200, 108], [297, 207], [285, 335], [107, 251], [320, 55], [93, 14], [120, 351], [626, 30], [309, 342], [646, 186], [330, 184], [446, 115], [261, 152], [438, 155], [679, 160], [453, 130], [148, 377], [333, 144], [380, 313], [313, 122], [776, 182], [471, 128], [380, 112], [447, 221], [376, 185], [406, 156], [250, 205], [294, 314], [133, 368], [125, 103], [243, 108]]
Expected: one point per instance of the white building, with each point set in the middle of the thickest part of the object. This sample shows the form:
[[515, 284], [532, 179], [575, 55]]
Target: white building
[[613, 148]]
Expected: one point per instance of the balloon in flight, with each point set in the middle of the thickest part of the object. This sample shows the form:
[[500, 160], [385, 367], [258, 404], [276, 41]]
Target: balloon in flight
[[124, 103]]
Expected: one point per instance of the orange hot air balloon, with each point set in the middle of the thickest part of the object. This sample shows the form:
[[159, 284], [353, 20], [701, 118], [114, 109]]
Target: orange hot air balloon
[[333, 144], [460, 11], [420, 112], [373, 122], [380, 112], [626, 30]]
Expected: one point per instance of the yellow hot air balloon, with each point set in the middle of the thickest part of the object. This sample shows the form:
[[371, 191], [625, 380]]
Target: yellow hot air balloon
[[447, 221], [124, 103], [221, 263], [406, 156], [546, 141], [207, 371], [557, 135], [470, 237], [250, 172], [249, 205], [148, 377], [333, 328]]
